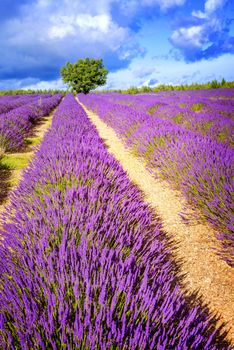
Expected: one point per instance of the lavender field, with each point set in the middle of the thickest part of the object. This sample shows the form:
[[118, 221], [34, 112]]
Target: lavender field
[[84, 261], [185, 137]]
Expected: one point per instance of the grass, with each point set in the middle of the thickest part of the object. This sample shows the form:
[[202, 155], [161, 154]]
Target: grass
[[222, 136], [208, 125], [196, 107], [178, 118], [10, 170], [15, 161], [154, 108], [11, 164], [32, 141]]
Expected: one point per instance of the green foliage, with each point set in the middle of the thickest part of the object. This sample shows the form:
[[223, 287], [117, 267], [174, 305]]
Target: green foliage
[[154, 108], [223, 82], [84, 75], [178, 118], [132, 90], [146, 89], [29, 91], [196, 107], [15, 161], [32, 141], [214, 84]]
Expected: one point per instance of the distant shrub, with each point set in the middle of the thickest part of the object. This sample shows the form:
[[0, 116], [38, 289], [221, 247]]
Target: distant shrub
[[30, 91], [223, 82], [146, 89], [132, 90], [214, 84]]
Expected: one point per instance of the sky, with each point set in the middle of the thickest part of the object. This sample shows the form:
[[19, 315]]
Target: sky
[[142, 43]]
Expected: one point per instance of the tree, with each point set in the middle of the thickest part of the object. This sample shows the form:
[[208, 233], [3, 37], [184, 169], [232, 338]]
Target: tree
[[84, 75]]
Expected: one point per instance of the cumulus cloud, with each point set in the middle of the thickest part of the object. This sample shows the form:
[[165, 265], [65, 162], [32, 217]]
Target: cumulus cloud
[[189, 37], [213, 5], [39, 36], [45, 34], [205, 34]]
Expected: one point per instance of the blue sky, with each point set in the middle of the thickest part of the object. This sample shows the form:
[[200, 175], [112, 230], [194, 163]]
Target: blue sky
[[145, 42]]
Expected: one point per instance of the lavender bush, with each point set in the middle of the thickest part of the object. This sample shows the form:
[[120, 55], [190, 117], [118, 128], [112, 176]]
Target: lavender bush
[[84, 263]]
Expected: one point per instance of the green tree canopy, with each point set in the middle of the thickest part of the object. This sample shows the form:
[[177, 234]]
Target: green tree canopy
[[84, 75]]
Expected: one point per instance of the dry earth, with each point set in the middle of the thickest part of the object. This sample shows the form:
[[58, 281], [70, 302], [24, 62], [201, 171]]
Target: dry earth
[[204, 271]]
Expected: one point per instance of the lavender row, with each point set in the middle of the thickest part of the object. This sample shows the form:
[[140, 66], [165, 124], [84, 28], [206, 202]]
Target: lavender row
[[84, 263], [16, 124], [8, 103], [204, 112], [200, 166]]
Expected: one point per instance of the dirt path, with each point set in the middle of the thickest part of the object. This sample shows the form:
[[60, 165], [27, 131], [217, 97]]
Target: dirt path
[[205, 271]]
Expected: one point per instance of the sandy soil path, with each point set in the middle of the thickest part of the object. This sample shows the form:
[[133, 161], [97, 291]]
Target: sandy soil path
[[205, 271]]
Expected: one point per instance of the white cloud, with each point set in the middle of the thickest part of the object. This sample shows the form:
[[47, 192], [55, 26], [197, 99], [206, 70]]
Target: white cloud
[[213, 5], [202, 36], [101, 22], [210, 7], [45, 85], [130, 7], [172, 72], [62, 26], [192, 36], [52, 32]]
